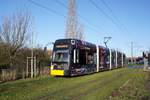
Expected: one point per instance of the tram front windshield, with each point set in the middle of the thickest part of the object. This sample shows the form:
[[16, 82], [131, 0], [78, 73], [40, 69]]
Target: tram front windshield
[[61, 56]]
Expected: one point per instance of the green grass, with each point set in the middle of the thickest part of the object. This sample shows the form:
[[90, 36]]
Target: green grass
[[135, 64], [91, 87], [136, 88]]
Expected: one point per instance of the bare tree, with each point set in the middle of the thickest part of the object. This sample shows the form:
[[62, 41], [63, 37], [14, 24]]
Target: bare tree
[[80, 32], [14, 32], [71, 28]]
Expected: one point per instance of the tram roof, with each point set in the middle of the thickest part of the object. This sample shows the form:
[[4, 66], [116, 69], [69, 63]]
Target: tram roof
[[76, 41]]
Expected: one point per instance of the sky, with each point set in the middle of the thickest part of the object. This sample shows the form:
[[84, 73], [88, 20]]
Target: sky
[[125, 21]]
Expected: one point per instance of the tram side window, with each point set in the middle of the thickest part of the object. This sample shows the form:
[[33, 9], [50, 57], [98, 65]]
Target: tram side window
[[78, 56], [82, 57], [86, 57], [148, 59], [107, 57], [95, 58], [113, 58], [90, 59]]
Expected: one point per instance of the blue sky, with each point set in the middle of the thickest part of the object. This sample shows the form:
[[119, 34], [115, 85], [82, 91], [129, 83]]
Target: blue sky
[[133, 25]]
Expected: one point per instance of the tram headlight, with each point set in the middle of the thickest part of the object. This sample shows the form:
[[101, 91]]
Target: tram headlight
[[52, 67]]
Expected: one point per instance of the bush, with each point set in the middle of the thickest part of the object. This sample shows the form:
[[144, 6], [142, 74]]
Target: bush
[[4, 66]]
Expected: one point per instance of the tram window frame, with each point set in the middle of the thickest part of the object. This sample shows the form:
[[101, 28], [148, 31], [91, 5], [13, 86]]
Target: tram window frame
[[76, 56]]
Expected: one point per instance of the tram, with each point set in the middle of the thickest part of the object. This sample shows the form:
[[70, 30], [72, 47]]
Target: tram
[[72, 57]]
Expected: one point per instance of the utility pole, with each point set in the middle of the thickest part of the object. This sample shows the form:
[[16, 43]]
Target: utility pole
[[32, 56], [131, 52]]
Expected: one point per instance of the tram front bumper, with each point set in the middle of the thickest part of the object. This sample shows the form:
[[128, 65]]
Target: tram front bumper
[[57, 72]]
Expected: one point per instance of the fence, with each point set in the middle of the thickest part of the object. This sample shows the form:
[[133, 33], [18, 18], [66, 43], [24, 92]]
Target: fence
[[7, 74], [14, 74]]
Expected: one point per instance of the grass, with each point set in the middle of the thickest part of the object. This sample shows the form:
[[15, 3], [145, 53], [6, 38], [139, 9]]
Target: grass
[[135, 64], [137, 87], [95, 86]]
